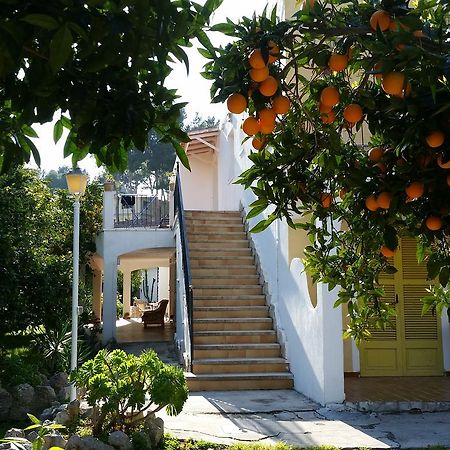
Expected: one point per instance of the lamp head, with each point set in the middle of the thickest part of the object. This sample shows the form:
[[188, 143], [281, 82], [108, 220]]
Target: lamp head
[[76, 182]]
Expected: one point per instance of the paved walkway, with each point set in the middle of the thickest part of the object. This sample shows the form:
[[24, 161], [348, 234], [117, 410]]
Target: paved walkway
[[275, 416]]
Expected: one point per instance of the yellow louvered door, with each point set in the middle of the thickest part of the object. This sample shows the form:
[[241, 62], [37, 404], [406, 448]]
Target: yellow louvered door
[[413, 347], [422, 334]]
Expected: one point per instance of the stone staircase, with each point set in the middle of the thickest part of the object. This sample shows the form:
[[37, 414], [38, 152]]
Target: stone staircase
[[235, 345]]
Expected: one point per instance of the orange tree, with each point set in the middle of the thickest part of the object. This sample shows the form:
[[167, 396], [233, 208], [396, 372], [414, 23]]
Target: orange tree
[[349, 108]]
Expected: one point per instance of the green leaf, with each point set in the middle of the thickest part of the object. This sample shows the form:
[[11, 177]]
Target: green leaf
[[444, 276], [256, 210], [41, 20], [206, 55], [60, 48], [28, 131], [181, 154], [225, 28], [204, 40], [66, 122], [57, 131], [34, 419]]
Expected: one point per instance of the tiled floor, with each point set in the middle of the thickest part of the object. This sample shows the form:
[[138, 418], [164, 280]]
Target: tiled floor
[[428, 389], [132, 330]]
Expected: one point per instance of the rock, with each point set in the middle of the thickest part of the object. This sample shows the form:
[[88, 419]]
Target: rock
[[73, 409], [142, 440], [154, 427], [63, 394], [92, 443], [54, 440], [23, 396], [62, 417], [31, 436], [15, 433], [14, 446], [5, 403], [86, 411], [74, 442], [59, 381], [44, 396], [119, 440], [48, 414]]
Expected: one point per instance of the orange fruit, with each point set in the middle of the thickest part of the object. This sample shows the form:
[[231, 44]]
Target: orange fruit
[[415, 190], [326, 199], [338, 62], [342, 193], [386, 251], [259, 75], [250, 126], [419, 34], [258, 144], [433, 223], [381, 167], [393, 83], [353, 113], [442, 164], [435, 138], [266, 128], [324, 108], [274, 51], [375, 154], [406, 92], [328, 117], [308, 4], [378, 67], [380, 19], [330, 96], [269, 86], [384, 200], [256, 59], [448, 180], [267, 120], [371, 203], [236, 103], [281, 104]]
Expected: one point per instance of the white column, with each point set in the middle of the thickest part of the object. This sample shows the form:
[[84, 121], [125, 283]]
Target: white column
[[97, 294], [126, 294], [109, 206], [163, 283], [109, 296]]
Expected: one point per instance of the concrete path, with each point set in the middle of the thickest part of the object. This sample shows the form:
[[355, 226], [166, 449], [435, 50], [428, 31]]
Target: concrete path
[[274, 416]]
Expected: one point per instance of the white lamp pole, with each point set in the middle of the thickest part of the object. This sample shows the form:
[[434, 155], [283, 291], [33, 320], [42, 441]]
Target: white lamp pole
[[76, 183]]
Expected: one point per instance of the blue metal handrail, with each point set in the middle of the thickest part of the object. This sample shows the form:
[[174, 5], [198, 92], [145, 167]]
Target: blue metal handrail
[[179, 209]]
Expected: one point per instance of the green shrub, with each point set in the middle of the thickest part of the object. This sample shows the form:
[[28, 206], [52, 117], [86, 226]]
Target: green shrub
[[121, 386], [19, 367]]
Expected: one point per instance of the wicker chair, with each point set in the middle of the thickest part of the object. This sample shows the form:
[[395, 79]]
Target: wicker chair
[[155, 316]]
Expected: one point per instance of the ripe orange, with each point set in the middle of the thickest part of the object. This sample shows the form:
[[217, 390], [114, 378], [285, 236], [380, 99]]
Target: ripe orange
[[393, 83], [274, 51], [419, 34], [371, 203], [378, 67], [308, 4], [435, 138], [258, 144], [433, 223], [415, 190], [338, 62], [236, 103], [328, 117], [281, 104], [267, 120], [375, 154], [256, 59], [342, 193], [250, 126], [269, 86], [448, 180], [442, 164], [380, 19], [330, 96], [259, 75], [324, 108], [384, 200], [406, 92], [381, 167], [386, 251], [326, 199], [353, 113]]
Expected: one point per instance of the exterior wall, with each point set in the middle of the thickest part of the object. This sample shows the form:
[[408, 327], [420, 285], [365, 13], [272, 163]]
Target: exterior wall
[[200, 184], [163, 283]]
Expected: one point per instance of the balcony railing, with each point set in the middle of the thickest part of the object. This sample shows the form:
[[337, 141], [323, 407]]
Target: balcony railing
[[141, 211]]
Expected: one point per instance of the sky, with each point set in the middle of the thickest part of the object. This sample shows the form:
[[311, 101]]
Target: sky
[[192, 88]]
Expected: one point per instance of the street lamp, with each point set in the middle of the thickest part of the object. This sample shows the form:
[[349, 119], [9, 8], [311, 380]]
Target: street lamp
[[76, 184]]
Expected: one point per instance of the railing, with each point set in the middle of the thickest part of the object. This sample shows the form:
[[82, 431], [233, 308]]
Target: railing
[[141, 211], [186, 272]]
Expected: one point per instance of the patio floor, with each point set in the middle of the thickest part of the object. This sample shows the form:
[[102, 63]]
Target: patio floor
[[132, 330]]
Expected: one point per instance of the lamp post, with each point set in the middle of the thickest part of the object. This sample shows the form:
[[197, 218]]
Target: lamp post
[[76, 184]]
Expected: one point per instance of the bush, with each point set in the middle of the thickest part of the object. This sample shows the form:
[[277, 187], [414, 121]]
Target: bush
[[18, 367], [121, 386]]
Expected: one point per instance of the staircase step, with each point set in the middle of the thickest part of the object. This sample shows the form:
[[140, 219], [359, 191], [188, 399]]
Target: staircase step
[[245, 300], [221, 244], [222, 270], [239, 381], [203, 351], [235, 337], [225, 280], [226, 227], [214, 251], [223, 324], [239, 365], [227, 290], [210, 259], [213, 236], [230, 311]]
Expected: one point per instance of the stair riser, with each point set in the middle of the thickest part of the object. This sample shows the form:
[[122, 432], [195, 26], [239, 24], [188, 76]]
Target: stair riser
[[195, 245], [223, 221], [206, 263], [216, 236], [230, 313], [239, 368], [237, 353], [229, 281], [207, 272], [224, 326], [220, 252], [236, 385], [203, 292], [248, 339], [233, 302], [205, 228]]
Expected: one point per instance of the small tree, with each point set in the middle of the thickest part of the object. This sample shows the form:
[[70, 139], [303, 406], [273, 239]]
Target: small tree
[[122, 386]]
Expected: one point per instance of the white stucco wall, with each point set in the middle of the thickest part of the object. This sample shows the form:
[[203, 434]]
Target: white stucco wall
[[163, 283]]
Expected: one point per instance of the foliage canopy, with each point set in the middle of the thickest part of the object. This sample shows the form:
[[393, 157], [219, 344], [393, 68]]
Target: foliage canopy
[[314, 167]]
